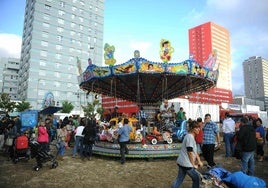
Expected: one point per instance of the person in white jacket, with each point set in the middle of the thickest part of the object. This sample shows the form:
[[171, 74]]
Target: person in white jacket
[[228, 129]]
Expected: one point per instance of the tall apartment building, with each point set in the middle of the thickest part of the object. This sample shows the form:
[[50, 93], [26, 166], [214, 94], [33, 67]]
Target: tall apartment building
[[9, 76], [255, 71], [203, 39], [55, 34]]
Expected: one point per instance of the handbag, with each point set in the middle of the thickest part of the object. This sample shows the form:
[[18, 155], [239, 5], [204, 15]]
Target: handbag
[[9, 142]]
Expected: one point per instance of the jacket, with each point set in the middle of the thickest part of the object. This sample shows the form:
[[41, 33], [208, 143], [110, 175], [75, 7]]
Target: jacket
[[42, 134], [247, 138]]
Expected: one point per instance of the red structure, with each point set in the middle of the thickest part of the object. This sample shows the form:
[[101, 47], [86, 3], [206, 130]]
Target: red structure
[[123, 105], [203, 40]]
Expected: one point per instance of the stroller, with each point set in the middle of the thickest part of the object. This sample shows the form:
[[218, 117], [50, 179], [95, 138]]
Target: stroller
[[21, 148], [41, 156]]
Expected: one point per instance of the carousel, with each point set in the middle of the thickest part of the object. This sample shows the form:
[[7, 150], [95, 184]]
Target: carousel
[[147, 83]]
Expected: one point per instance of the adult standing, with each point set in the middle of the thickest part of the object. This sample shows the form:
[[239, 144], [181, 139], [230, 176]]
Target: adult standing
[[164, 108], [228, 128], [247, 141], [43, 137], [123, 133], [260, 132], [78, 144], [11, 134], [210, 137], [89, 133], [188, 159]]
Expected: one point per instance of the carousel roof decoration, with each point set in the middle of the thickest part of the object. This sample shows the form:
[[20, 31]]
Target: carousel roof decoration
[[147, 82]]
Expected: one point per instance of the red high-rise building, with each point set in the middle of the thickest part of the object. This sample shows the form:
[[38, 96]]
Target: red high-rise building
[[204, 40]]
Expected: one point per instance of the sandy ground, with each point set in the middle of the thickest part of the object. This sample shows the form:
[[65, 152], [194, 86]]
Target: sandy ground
[[104, 172]]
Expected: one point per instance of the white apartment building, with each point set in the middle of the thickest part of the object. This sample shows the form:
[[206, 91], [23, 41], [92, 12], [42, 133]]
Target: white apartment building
[[256, 79], [9, 77], [55, 34]]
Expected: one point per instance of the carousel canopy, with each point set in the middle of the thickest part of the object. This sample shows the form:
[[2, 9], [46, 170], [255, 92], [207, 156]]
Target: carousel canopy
[[146, 82]]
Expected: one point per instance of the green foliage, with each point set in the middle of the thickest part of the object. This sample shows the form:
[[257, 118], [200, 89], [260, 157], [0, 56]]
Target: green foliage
[[67, 107], [5, 104], [94, 109], [22, 106]]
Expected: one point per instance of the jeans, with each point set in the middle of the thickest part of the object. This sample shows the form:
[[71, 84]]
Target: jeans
[[181, 175], [229, 146], [61, 149], [78, 144], [123, 150], [247, 163]]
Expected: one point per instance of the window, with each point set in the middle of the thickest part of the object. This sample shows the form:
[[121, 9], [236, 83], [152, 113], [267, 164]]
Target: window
[[46, 25], [74, 8], [43, 63], [46, 17], [81, 19], [81, 27], [58, 47], [47, 7], [43, 53], [44, 43], [58, 56], [72, 33], [45, 34], [72, 24], [60, 21], [59, 38], [73, 16], [60, 29], [62, 4], [61, 12]]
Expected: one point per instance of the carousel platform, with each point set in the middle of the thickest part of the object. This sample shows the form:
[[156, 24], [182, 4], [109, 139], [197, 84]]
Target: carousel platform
[[137, 150]]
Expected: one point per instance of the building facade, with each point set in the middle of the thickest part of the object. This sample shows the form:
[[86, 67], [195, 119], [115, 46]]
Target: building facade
[[255, 71], [9, 72], [58, 38], [206, 41]]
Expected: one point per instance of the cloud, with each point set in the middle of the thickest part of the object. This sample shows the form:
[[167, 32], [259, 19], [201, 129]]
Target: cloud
[[10, 45]]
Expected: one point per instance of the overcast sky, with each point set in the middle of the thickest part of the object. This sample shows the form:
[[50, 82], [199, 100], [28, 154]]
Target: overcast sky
[[141, 24]]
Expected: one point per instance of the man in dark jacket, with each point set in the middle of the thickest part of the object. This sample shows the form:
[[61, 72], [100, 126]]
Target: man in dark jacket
[[247, 141]]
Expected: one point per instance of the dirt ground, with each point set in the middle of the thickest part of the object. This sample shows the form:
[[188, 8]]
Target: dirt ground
[[104, 172]]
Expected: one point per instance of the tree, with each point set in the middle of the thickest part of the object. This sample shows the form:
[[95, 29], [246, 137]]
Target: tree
[[5, 104], [94, 109], [21, 106], [67, 107]]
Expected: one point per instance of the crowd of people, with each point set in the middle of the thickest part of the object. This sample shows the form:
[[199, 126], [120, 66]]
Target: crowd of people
[[202, 138]]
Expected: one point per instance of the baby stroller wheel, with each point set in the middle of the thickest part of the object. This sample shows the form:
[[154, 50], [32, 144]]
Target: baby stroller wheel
[[54, 164]]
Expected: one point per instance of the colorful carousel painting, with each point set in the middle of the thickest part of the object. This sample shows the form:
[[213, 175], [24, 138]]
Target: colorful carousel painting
[[146, 83]]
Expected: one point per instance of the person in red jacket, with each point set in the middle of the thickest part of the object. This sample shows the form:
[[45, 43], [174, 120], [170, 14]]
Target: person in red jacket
[[43, 137]]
